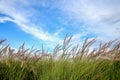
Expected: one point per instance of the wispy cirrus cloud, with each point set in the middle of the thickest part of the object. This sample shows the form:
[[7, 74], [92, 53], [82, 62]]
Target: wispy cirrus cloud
[[3, 19], [101, 17], [22, 15], [59, 31]]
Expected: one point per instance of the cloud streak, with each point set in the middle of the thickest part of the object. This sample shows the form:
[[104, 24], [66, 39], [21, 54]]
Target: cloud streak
[[22, 18], [4, 19], [101, 17]]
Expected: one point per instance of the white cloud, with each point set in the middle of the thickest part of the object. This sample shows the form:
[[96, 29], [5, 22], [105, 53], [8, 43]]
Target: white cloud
[[21, 12], [3, 19], [101, 17], [37, 32], [58, 31], [89, 10]]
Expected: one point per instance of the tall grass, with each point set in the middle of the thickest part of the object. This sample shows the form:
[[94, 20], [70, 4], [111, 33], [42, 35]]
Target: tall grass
[[66, 62]]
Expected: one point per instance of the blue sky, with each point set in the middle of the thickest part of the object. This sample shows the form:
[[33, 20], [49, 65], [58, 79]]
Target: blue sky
[[46, 22]]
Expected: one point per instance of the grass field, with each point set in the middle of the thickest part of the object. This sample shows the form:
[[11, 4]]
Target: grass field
[[66, 62]]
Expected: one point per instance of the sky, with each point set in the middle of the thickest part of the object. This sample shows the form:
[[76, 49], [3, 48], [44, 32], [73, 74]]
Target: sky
[[37, 22]]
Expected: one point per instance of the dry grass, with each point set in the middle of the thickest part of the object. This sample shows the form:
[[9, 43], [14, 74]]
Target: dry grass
[[67, 62]]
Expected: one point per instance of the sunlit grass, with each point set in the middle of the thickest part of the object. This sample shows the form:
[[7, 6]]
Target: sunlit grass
[[66, 62]]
